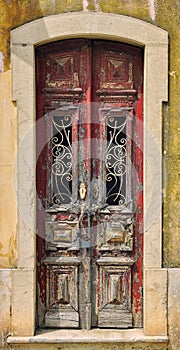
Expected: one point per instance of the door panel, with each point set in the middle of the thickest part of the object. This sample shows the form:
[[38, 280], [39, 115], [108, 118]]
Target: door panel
[[89, 173], [118, 257], [115, 292]]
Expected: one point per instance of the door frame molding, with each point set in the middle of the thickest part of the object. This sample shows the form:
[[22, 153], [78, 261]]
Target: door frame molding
[[105, 26]]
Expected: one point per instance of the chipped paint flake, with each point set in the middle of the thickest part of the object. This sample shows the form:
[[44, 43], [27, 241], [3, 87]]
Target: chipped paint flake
[[152, 9]]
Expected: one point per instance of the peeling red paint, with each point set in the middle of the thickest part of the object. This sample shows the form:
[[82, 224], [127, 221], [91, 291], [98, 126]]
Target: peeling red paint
[[104, 80]]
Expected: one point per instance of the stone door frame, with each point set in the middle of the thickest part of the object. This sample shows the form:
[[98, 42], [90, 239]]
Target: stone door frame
[[108, 27]]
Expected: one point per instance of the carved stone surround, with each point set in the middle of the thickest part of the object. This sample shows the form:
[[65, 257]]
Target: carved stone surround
[[101, 26]]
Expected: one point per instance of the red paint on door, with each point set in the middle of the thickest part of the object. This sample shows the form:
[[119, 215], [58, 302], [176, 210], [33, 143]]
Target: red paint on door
[[89, 184]]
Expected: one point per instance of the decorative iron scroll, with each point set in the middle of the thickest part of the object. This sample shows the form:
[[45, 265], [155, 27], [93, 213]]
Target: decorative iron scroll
[[61, 149], [115, 159]]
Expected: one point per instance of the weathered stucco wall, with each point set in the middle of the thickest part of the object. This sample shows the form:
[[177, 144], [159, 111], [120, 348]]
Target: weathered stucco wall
[[162, 13], [8, 140]]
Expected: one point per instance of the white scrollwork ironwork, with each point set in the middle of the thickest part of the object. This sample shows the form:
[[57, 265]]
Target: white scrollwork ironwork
[[61, 149], [115, 160]]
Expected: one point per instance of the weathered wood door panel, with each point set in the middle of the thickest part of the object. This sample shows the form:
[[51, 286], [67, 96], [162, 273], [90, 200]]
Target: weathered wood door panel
[[89, 184]]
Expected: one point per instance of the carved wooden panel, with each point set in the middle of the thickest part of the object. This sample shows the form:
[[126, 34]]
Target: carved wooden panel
[[61, 235], [114, 309], [62, 70], [62, 294], [116, 67], [118, 235]]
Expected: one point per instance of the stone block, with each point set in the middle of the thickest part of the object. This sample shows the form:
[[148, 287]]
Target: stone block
[[5, 304], [155, 305], [152, 242], [174, 308], [23, 302], [96, 339]]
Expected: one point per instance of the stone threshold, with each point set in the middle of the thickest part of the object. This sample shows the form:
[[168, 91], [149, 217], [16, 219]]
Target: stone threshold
[[87, 336]]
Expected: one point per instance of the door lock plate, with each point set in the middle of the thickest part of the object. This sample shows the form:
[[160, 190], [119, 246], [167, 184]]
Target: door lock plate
[[82, 190]]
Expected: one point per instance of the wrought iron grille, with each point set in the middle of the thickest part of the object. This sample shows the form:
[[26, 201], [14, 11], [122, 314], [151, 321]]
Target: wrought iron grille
[[61, 149]]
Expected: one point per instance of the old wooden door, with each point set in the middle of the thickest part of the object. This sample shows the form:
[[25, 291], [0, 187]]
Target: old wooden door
[[89, 184]]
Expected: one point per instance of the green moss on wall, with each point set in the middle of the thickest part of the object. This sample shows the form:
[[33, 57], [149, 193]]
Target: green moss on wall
[[17, 12], [168, 17], [67, 6], [92, 6], [136, 8]]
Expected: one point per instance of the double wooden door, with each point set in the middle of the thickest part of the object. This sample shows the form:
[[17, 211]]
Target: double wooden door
[[89, 184]]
